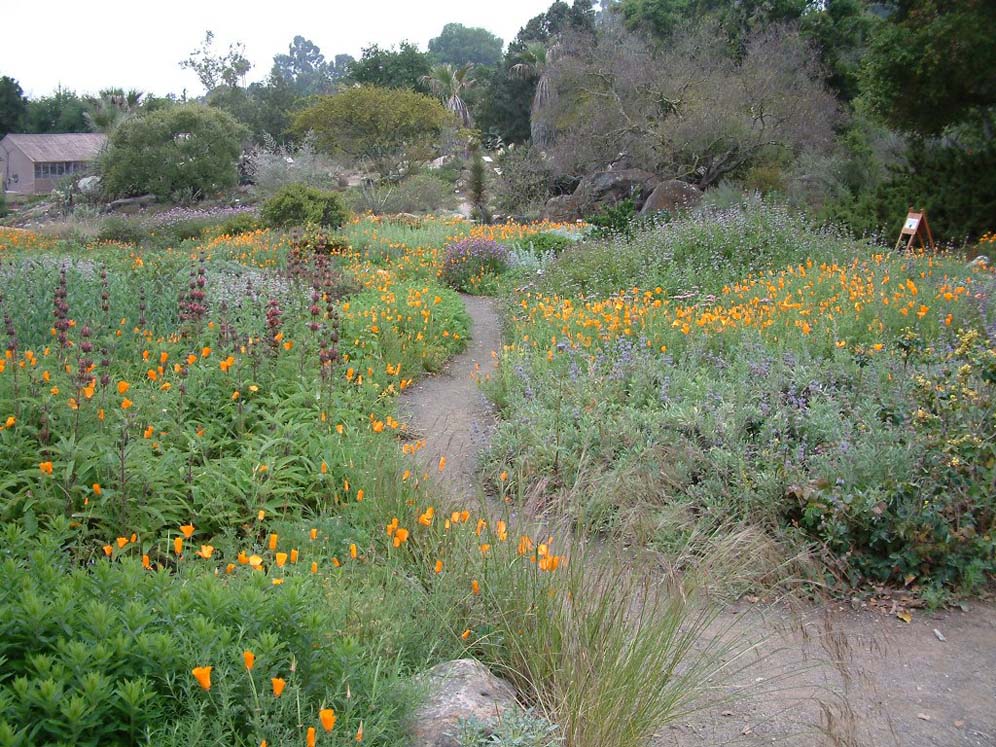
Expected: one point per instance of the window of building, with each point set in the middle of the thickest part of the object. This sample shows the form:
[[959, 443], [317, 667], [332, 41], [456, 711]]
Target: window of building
[[58, 169]]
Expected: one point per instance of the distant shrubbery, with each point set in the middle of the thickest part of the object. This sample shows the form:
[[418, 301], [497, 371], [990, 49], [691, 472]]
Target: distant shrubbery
[[181, 151]]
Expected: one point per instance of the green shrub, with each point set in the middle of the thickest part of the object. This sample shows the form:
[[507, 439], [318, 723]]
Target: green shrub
[[237, 224], [181, 150], [545, 243], [300, 205], [422, 193], [3, 205], [104, 655], [125, 230]]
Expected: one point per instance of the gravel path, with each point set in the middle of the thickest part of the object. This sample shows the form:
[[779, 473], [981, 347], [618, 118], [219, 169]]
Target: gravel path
[[820, 675]]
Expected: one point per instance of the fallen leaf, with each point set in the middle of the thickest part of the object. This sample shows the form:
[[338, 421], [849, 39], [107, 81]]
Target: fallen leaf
[[905, 616]]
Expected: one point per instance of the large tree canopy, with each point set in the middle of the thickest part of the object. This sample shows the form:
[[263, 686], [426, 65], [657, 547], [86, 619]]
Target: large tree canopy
[[13, 105], [459, 45], [404, 67], [305, 68], [690, 111], [934, 64], [389, 130]]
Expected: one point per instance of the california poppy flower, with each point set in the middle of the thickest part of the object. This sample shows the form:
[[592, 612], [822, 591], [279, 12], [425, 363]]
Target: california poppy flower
[[281, 559], [45, 467], [203, 676], [327, 718], [187, 530], [206, 551], [273, 542], [279, 683], [178, 545], [249, 658], [123, 386], [311, 736]]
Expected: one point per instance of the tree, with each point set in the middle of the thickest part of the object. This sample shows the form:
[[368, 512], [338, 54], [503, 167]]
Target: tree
[[109, 109], [690, 111], [459, 45], [63, 111], [403, 67], [932, 65], [505, 111], [13, 105], [451, 84], [215, 69], [389, 130], [534, 64], [183, 150], [305, 68]]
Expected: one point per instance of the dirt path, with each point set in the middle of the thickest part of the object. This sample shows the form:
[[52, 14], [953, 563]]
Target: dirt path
[[833, 676], [846, 678], [450, 412]]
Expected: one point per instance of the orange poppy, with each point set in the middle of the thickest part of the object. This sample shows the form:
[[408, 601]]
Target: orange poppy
[[203, 676]]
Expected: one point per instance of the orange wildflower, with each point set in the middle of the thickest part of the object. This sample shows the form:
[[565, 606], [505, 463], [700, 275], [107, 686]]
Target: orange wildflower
[[352, 551], [327, 718], [273, 542], [206, 551], [203, 676], [249, 658], [123, 386], [45, 467], [187, 530], [281, 559], [310, 737], [279, 683]]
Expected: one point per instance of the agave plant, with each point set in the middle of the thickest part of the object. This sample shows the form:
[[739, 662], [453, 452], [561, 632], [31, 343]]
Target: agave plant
[[450, 83]]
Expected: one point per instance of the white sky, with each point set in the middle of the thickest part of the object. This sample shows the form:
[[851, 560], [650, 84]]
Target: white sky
[[86, 46]]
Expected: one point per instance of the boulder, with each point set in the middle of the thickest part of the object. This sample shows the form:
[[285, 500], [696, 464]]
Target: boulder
[[458, 690], [672, 196], [88, 185], [561, 209], [606, 188]]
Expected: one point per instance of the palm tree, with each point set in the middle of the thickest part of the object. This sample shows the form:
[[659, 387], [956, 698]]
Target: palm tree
[[450, 83], [534, 64], [111, 108]]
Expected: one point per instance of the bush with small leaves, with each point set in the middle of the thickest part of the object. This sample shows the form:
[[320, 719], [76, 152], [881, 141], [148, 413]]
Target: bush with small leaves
[[300, 205]]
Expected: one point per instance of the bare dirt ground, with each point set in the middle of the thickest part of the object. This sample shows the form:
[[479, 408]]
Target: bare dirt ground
[[449, 411], [817, 675]]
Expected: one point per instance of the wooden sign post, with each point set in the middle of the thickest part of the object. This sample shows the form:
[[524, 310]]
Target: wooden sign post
[[916, 227]]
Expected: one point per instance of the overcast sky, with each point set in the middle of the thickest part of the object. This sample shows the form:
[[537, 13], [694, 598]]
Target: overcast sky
[[86, 46]]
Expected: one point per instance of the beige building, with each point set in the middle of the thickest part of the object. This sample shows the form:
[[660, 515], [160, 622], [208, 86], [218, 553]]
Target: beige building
[[34, 164]]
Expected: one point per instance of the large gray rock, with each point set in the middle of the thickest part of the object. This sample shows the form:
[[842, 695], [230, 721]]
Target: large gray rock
[[458, 690], [561, 209], [606, 188], [89, 185], [672, 196]]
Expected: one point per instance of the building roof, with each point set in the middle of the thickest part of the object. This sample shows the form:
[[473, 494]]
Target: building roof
[[74, 146]]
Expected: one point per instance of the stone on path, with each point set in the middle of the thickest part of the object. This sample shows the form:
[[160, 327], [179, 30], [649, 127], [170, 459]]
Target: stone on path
[[457, 691]]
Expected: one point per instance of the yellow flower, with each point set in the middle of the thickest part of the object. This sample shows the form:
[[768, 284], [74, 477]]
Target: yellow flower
[[206, 551], [203, 676], [281, 559]]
